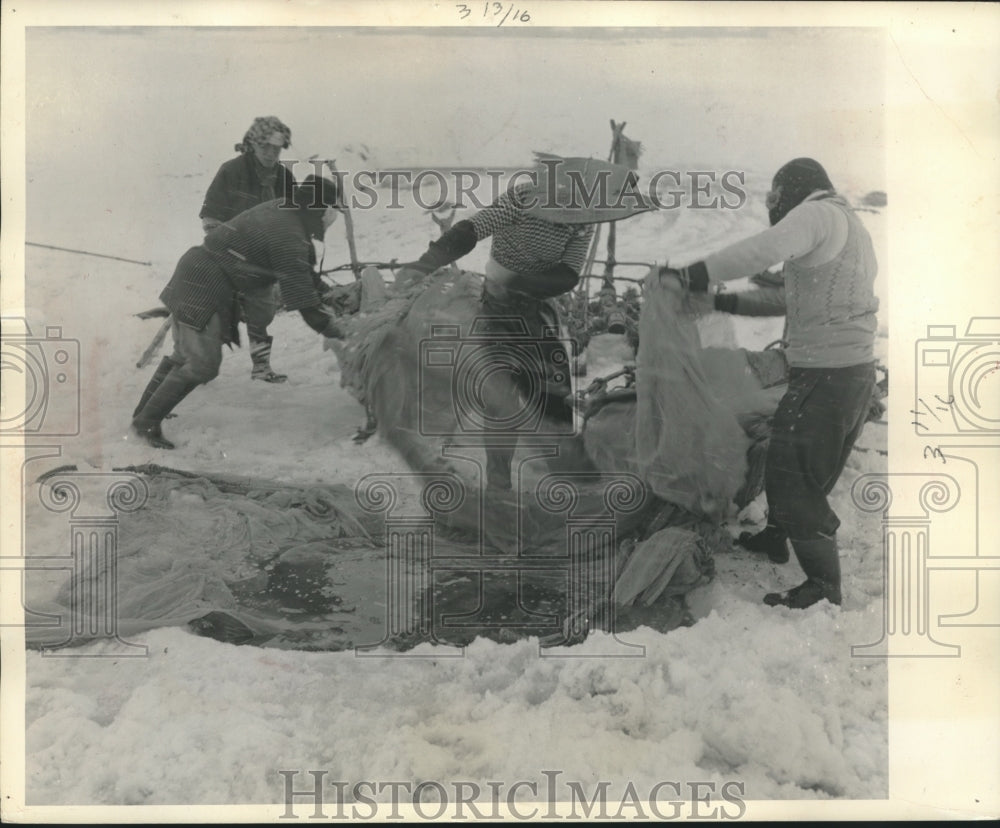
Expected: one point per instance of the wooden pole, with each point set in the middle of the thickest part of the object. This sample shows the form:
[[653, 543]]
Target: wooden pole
[[348, 226], [154, 346], [608, 286], [444, 225], [592, 254]]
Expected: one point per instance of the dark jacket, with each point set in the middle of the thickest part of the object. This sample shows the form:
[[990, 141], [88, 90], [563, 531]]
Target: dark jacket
[[266, 244], [237, 187]]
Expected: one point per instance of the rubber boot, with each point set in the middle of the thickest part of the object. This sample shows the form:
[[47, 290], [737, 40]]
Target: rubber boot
[[820, 561], [771, 540], [165, 367], [147, 424], [260, 354]]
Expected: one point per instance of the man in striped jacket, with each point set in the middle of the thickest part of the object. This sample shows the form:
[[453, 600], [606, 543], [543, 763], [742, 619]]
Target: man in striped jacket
[[830, 305], [541, 233], [266, 245]]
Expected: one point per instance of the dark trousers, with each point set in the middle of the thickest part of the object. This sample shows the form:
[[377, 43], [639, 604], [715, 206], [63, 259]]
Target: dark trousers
[[259, 307], [813, 431], [524, 341], [197, 354]]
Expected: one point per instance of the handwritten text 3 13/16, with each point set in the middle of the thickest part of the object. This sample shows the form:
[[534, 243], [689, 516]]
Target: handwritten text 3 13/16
[[493, 10]]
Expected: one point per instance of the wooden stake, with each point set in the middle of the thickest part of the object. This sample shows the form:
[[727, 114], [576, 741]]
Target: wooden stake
[[608, 285], [348, 227], [592, 253], [444, 225], [154, 346]]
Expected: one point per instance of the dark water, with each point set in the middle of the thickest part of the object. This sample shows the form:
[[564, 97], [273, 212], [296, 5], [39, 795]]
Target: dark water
[[351, 598]]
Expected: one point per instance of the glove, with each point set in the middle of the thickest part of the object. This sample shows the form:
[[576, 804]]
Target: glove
[[452, 245], [768, 279], [694, 277], [332, 336], [671, 279], [333, 330]]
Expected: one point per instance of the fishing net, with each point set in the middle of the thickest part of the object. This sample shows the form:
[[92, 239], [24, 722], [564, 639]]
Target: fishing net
[[603, 529], [240, 559], [696, 424], [250, 561]]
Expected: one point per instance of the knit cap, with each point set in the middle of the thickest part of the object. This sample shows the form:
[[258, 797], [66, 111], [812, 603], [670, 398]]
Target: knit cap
[[792, 184], [261, 129]]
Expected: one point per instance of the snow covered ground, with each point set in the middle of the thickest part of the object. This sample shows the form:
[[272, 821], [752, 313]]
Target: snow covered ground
[[770, 699]]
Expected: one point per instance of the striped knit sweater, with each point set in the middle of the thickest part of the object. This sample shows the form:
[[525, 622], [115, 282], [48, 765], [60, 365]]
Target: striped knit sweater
[[525, 244], [260, 246]]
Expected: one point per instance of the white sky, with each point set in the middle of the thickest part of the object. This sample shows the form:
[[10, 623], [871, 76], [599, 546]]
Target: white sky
[[131, 100]]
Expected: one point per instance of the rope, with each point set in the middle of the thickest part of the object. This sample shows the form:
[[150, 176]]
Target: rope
[[380, 265], [88, 253]]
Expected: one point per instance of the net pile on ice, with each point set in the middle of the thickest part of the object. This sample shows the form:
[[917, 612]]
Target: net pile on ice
[[614, 535], [236, 557], [251, 561]]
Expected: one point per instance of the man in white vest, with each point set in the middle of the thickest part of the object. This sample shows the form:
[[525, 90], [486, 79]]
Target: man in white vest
[[830, 304]]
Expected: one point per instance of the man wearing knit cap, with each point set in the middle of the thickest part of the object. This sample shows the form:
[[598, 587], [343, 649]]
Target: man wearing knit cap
[[253, 177], [266, 245], [830, 305]]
